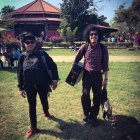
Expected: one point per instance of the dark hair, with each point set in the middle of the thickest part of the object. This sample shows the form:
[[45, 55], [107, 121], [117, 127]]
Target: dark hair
[[28, 37], [90, 28]]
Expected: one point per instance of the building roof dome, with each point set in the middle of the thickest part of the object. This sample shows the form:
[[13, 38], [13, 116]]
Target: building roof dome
[[38, 6]]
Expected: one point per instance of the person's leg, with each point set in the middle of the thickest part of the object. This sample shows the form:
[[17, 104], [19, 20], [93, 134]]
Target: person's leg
[[1, 64], [85, 98], [96, 89], [43, 94], [31, 96], [12, 62]]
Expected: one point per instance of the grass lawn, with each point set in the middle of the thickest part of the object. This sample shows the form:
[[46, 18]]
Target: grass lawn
[[67, 124], [113, 52]]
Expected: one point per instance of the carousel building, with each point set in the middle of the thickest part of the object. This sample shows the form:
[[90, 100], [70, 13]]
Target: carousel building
[[39, 18]]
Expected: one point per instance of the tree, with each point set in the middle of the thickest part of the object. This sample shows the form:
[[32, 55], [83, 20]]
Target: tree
[[7, 21], [73, 10], [80, 13], [6, 10], [129, 17], [68, 34]]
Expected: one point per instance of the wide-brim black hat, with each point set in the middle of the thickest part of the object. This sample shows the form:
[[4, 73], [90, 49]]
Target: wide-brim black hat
[[104, 29]]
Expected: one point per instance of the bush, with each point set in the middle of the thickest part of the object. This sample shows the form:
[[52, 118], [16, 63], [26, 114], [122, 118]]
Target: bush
[[55, 40], [78, 44], [48, 44]]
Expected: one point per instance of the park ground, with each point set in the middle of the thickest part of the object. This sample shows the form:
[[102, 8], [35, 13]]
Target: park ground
[[67, 124]]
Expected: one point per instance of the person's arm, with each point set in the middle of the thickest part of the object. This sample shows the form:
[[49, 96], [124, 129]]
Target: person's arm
[[53, 67], [80, 54], [20, 73]]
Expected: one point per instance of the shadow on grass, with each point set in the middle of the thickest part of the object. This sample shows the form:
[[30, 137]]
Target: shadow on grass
[[128, 128], [8, 69]]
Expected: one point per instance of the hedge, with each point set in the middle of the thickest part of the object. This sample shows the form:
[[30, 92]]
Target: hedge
[[78, 44]]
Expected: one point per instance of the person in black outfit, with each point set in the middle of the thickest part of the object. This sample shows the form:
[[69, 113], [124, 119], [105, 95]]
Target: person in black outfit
[[33, 78], [1, 63]]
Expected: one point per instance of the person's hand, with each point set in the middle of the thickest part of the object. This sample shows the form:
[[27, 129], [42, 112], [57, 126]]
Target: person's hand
[[104, 83], [23, 93], [54, 84]]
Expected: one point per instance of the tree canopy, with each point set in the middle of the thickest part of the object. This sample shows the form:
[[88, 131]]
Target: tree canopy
[[7, 9], [78, 14], [6, 13], [128, 18]]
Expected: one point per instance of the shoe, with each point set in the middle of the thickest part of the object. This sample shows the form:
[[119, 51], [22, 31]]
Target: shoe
[[31, 132], [85, 118], [48, 116]]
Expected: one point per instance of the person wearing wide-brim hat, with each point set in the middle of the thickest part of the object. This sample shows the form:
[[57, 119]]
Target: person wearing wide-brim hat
[[96, 62]]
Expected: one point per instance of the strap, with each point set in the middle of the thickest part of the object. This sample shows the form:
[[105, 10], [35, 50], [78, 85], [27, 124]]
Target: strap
[[85, 48], [43, 59], [45, 63], [103, 53]]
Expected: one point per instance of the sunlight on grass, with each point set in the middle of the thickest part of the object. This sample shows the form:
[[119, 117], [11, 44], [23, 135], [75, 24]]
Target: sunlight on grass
[[123, 92], [112, 52]]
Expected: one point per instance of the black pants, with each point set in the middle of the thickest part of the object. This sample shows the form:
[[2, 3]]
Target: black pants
[[31, 92], [91, 80], [1, 65], [12, 61]]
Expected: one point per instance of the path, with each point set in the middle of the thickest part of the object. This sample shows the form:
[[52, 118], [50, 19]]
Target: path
[[111, 58]]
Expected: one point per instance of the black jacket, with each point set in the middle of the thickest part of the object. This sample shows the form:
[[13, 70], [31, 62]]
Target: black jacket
[[50, 63]]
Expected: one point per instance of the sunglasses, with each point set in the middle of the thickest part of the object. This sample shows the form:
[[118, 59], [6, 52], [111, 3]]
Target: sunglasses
[[29, 42], [91, 34]]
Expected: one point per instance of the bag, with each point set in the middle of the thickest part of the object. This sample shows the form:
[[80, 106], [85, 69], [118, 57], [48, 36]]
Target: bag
[[33, 70], [1, 65], [75, 74], [107, 108]]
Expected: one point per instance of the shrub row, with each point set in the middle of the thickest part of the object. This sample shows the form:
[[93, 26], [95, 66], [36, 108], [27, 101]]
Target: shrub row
[[78, 44], [11, 45]]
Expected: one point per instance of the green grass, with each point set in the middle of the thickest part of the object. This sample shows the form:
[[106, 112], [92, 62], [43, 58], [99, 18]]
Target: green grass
[[113, 52], [124, 52], [61, 52], [123, 92]]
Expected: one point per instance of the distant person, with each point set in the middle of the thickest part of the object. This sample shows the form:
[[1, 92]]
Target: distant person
[[113, 39], [1, 63], [19, 42], [33, 78], [15, 55], [137, 40], [8, 56], [1, 44], [96, 61], [118, 39]]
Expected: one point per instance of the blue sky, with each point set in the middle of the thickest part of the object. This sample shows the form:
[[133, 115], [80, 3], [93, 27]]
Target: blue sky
[[107, 7]]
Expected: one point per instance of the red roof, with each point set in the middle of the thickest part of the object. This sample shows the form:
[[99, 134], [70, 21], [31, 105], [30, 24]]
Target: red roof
[[37, 6], [38, 19]]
